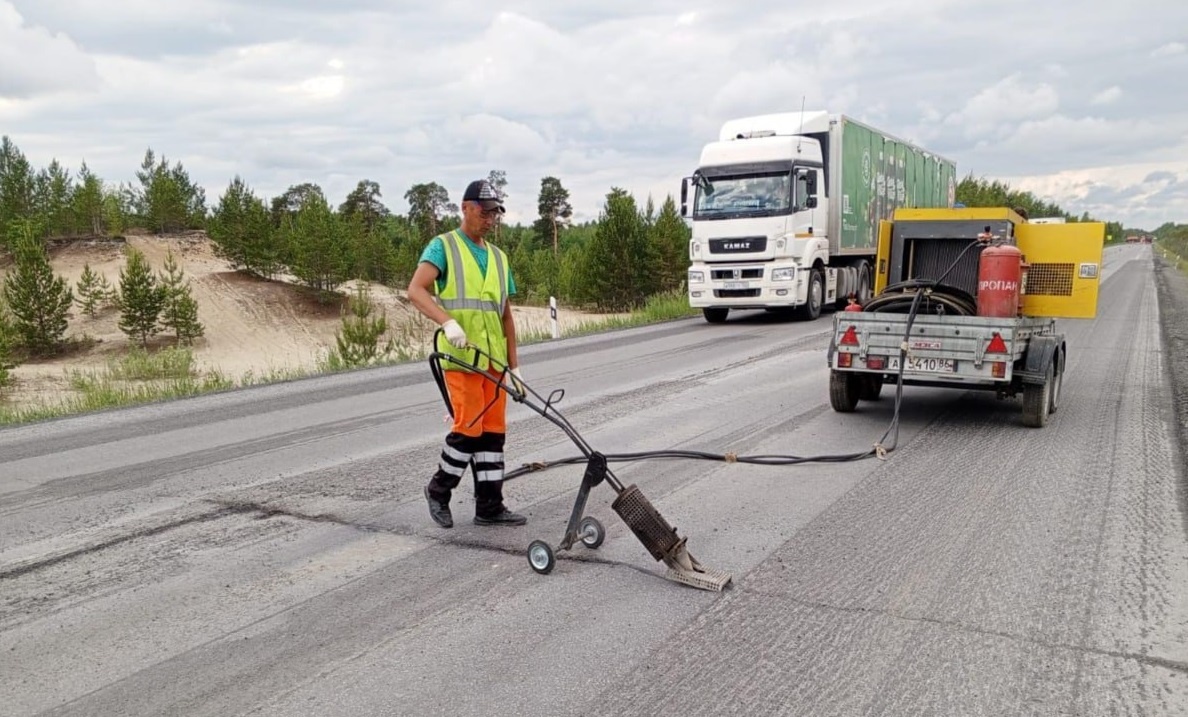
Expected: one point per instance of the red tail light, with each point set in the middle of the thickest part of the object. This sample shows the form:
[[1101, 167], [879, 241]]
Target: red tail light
[[875, 362], [845, 360], [850, 337], [998, 369], [997, 345]]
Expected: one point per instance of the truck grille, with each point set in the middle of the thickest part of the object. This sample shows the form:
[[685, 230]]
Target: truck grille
[[736, 293], [738, 245], [735, 274]]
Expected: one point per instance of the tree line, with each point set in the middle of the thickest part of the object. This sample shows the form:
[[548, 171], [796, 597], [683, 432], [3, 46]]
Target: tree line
[[981, 192], [611, 264]]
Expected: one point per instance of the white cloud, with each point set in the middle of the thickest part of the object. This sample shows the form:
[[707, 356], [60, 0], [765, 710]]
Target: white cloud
[[1107, 96], [994, 110], [618, 93], [35, 61], [1171, 49]]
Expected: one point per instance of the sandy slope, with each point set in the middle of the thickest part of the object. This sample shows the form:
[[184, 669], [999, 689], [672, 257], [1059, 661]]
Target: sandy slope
[[251, 326]]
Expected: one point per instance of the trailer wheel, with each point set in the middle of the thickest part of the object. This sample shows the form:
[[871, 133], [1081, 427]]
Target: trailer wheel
[[870, 387], [816, 296], [1037, 400], [715, 316], [865, 282], [843, 391]]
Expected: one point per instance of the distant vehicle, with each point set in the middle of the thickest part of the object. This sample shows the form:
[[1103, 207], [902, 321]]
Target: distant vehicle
[[786, 210]]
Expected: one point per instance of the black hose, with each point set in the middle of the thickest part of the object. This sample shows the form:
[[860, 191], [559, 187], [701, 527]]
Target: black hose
[[910, 297]]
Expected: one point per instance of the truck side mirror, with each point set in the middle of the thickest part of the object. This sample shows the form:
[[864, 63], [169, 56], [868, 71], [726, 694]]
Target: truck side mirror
[[684, 196], [810, 202]]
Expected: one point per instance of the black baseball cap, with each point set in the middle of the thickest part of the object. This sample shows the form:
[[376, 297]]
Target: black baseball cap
[[481, 191]]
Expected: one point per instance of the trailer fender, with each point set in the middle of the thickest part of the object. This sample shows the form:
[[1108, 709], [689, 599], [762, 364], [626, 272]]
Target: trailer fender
[[1041, 351]]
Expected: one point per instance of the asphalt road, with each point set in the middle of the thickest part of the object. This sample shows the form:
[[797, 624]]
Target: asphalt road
[[268, 551]]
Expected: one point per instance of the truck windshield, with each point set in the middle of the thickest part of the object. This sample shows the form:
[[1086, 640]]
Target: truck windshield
[[750, 195]]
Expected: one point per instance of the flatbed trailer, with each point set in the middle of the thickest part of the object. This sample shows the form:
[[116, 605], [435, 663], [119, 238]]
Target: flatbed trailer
[[1009, 356], [968, 298]]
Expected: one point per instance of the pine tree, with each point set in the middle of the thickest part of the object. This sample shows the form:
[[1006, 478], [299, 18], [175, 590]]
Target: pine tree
[[7, 344], [358, 340], [555, 212], [321, 251], [86, 203], [90, 294], [243, 234], [618, 265], [38, 299], [141, 299], [669, 236], [180, 310]]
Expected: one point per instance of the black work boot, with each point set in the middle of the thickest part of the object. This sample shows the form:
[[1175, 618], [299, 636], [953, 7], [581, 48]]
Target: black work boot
[[439, 510], [489, 508], [505, 517]]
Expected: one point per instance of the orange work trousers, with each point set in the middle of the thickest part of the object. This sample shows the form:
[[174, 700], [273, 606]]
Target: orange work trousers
[[470, 394]]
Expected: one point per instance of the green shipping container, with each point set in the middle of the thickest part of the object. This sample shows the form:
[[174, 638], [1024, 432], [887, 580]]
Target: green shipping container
[[872, 176]]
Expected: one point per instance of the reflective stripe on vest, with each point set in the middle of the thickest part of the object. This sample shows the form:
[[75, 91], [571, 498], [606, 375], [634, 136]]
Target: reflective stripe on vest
[[474, 302]]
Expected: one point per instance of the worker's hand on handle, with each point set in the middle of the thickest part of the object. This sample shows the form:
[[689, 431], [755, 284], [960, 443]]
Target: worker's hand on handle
[[454, 333], [517, 380]]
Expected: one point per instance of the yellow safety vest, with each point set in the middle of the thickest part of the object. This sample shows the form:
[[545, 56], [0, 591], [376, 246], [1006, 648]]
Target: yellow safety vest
[[475, 301]]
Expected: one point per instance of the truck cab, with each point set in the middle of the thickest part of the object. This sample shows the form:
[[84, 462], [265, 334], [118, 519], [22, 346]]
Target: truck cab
[[758, 218]]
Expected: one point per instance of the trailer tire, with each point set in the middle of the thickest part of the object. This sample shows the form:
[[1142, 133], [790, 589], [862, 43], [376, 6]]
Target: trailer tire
[[715, 316], [816, 296], [870, 387], [843, 391], [1037, 399]]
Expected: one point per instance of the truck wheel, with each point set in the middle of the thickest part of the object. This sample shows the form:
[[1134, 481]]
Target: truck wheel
[[715, 316], [865, 282], [843, 391], [1037, 401], [816, 296], [870, 387]]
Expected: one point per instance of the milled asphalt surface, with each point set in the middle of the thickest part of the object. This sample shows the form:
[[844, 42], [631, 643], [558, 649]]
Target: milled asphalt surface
[[268, 552]]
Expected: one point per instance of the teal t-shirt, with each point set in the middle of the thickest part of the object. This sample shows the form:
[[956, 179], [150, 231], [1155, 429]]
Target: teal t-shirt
[[435, 254]]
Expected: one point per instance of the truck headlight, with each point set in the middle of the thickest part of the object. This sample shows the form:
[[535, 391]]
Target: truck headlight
[[783, 274], [696, 277]]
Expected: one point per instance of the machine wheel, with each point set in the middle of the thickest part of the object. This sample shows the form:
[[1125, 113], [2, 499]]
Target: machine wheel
[[1037, 401], [816, 296], [870, 387], [540, 557], [715, 316], [843, 391], [592, 532]]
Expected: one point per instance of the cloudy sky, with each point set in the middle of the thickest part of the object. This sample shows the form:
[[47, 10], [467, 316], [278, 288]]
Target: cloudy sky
[[1084, 103]]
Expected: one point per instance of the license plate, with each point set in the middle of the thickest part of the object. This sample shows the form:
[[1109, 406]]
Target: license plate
[[920, 364], [738, 285]]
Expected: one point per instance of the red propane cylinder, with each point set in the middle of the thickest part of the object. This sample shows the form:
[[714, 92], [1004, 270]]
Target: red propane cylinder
[[1000, 281]]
